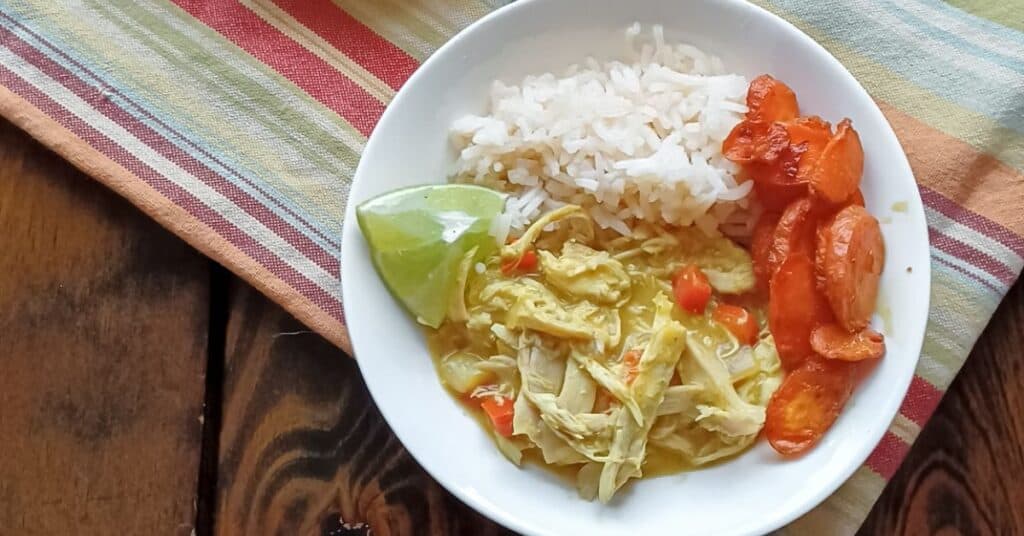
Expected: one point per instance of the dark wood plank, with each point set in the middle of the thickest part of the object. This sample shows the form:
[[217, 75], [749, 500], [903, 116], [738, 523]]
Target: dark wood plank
[[303, 446], [965, 473], [303, 450], [102, 352]]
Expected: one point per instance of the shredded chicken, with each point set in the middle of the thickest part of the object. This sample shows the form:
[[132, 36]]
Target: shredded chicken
[[600, 363]]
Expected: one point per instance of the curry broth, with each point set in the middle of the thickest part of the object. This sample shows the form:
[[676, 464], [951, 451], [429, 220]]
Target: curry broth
[[649, 270], [658, 461]]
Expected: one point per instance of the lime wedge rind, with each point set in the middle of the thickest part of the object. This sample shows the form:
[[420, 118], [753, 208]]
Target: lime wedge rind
[[417, 237]]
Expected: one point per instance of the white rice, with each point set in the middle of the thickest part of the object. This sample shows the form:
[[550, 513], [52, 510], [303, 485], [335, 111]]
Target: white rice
[[636, 139]]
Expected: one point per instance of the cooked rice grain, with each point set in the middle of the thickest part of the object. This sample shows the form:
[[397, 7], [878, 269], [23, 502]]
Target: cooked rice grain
[[636, 139]]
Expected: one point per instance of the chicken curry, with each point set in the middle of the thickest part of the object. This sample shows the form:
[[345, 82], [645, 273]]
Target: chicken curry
[[570, 342]]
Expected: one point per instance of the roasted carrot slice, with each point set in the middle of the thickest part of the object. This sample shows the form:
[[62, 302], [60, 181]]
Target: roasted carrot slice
[[851, 258], [740, 145], [814, 133], [770, 100], [821, 242], [755, 141], [775, 197], [775, 183], [780, 166], [773, 144], [810, 129], [834, 342], [856, 199], [807, 403], [760, 242], [795, 308], [794, 233], [836, 174]]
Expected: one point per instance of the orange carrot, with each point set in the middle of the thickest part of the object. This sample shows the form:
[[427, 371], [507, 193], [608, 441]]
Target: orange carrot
[[760, 244], [500, 410], [692, 289], [525, 264], [795, 307], [837, 171], [738, 321], [807, 403], [770, 100], [850, 259], [834, 342], [632, 362]]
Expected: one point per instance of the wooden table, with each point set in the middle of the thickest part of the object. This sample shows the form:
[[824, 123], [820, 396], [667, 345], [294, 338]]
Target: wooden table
[[146, 390]]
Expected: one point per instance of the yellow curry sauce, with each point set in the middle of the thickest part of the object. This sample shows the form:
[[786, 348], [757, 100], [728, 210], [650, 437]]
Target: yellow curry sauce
[[553, 342]]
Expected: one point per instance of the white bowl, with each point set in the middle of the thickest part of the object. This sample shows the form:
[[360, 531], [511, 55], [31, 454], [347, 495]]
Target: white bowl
[[759, 491]]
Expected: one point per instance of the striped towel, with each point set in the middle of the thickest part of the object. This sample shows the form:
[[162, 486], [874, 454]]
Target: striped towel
[[238, 124]]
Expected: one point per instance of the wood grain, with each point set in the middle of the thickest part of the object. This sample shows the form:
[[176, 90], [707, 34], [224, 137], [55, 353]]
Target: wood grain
[[102, 353], [103, 342], [965, 473], [303, 446], [303, 450]]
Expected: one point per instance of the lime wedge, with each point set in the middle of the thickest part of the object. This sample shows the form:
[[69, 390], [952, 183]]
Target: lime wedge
[[419, 235]]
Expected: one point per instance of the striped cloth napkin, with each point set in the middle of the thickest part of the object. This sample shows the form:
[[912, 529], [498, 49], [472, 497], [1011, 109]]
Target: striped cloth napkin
[[237, 124]]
